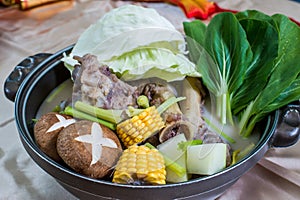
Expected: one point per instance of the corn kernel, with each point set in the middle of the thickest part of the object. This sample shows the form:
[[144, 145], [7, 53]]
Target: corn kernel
[[135, 118], [140, 127], [139, 163]]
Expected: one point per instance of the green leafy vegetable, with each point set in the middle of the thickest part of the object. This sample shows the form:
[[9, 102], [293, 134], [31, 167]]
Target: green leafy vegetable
[[124, 23], [258, 32], [283, 83], [249, 62], [135, 42], [195, 30], [147, 62], [229, 56], [288, 95]]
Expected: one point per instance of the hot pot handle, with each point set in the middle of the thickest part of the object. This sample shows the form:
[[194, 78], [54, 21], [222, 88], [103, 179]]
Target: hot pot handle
[[288, 128], [19, 73]]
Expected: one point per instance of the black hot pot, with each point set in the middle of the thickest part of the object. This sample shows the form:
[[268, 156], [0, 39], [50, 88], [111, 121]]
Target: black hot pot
[[36, 76]]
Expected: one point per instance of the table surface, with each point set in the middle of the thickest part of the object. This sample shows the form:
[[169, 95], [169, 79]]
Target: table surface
[[55, 26]]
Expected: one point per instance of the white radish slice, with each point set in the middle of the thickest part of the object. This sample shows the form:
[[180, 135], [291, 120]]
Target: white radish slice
[[171, 150], [206, 159]]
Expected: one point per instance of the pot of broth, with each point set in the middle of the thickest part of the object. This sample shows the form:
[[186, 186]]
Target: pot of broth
[[44, 82]]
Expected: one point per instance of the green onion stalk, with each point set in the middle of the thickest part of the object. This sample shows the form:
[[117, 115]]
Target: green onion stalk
[[81, 115]]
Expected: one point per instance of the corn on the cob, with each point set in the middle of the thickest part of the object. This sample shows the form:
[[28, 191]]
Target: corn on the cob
[[140, 164], [140, 127]]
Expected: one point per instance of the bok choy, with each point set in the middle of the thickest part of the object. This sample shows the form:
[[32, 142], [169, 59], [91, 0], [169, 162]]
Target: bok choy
[[249, 62], [283, 83], [223, 60]]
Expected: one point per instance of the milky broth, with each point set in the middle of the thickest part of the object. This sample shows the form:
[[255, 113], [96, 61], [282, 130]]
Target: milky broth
[[59, 94], [230, 130]]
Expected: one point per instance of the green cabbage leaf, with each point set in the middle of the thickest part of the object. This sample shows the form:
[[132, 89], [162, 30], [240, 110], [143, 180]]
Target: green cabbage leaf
[[133, 41]]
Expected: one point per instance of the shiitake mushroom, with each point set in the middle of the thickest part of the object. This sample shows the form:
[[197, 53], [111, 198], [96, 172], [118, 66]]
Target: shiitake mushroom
[[46, 131], [89, 148]]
